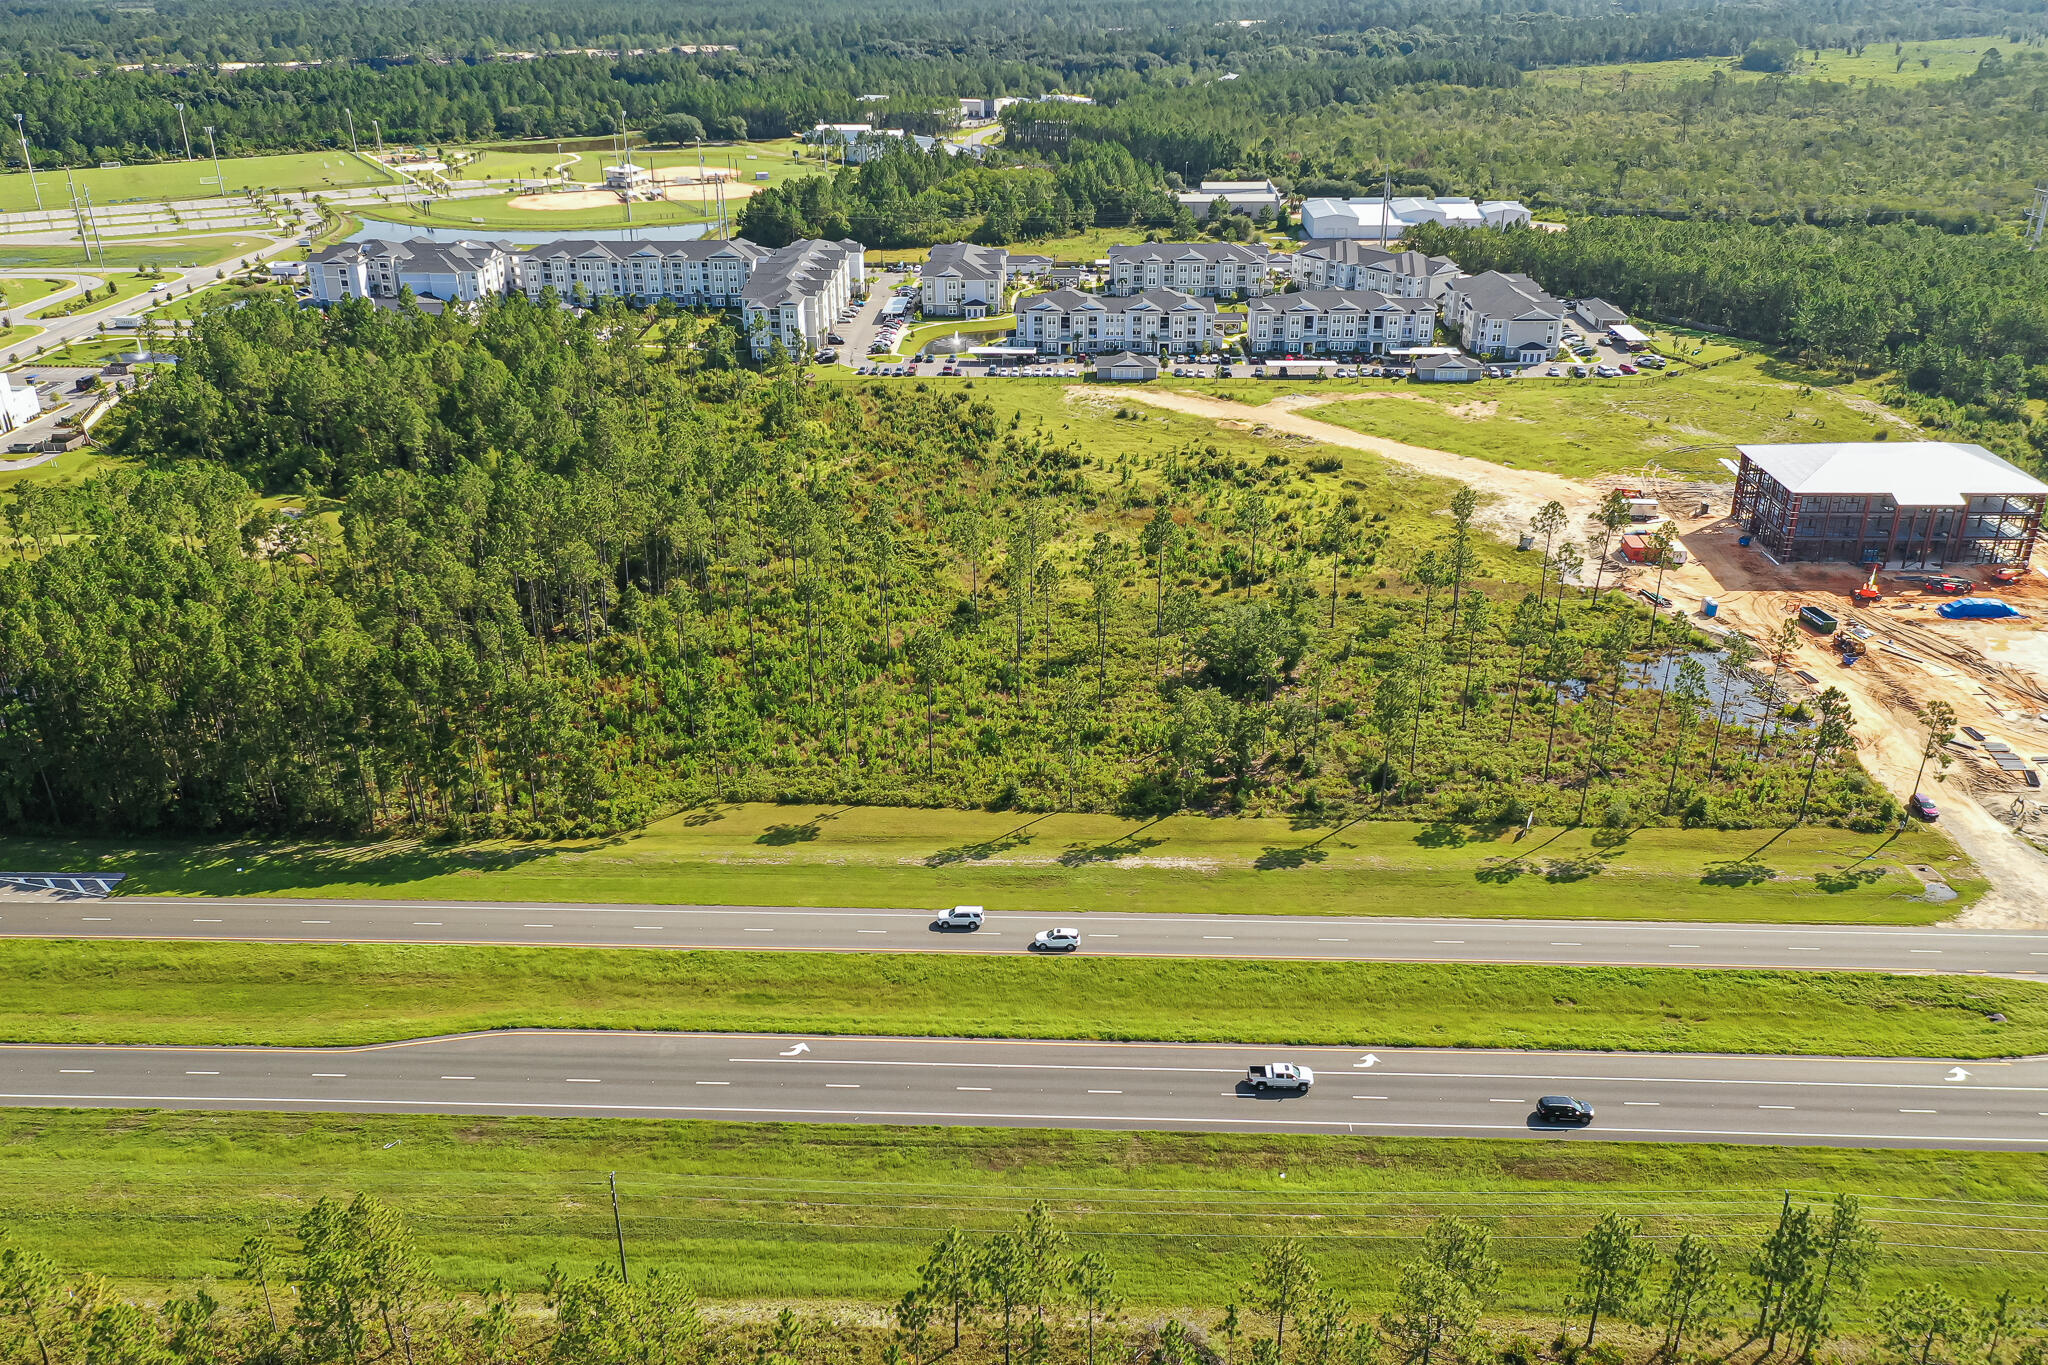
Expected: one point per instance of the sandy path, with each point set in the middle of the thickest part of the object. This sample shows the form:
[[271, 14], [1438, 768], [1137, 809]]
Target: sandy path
[[1514, 495], [1755, 596]]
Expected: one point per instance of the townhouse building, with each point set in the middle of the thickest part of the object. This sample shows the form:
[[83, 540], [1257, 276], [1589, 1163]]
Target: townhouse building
[[377, 269], [1505, 317], [695, 274], [1205, 269], [1156, 322], [1352, 264], [962, 280], [796, 291], [1339, 322]]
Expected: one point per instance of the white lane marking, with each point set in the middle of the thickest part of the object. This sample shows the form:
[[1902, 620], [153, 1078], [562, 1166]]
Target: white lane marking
[[1567, 945], [1919, 1111], [202, 1073], [756, 931], [714, 1082], [98, 919], [1105, 1092], [1507, 1101], [316, 921], [1681, 945], [650, 926], [974, 1087], [841, 1085], [1791, 949], [992, 934], [330, 1075], [1333, 940], [1368, 1097], [73, 1071], [1774, 1106], [458, 1078], [1265, 1121], [1218, 938], [583, 1080], [536, 926], [1643, 1104], [206, 921], [426, 924], [1448, 941], [1923, 950], [871, 931]]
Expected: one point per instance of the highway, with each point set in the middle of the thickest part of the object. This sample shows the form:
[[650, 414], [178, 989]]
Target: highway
[[749, 1078], [1369, 939]]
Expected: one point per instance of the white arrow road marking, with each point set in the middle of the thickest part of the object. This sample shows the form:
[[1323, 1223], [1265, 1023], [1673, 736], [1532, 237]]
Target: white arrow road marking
[[796, 1051], [1368, 1060], [1958, 1074]]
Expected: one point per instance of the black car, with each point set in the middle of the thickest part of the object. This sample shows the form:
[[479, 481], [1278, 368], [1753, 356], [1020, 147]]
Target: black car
[[1563, 1109]]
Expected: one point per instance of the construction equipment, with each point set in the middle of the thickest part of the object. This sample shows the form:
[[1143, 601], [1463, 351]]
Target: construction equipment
[[1948, 583], [1868, 592], [1851, 648], [2008, 573]]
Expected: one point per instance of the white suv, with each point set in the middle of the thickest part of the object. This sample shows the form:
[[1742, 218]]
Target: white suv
[[966, 917], [1057, 940]]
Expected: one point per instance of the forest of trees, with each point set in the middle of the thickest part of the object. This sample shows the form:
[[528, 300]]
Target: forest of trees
[[1963, 321], [350, 1284], [546, 578]]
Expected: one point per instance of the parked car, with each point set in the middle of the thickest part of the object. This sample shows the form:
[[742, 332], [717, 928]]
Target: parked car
[[1563, 1109], [1626, 368], [1606, 372], [1553, 372], [1580, 372], [1651, 361], [1923, 807], [827, 356], [1061, 940], [1492, 371], [1280, 1076], [835, 338], [967, 917]]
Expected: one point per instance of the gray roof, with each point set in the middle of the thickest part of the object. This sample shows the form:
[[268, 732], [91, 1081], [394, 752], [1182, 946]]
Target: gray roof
[[1509, 296], [1207, 252], [1446, 362], [580, 247], [1600, 312], [1327, 300], [967, 261], [416, 254], [1150, 300], [794, 271], [1125, 358], [1914, 473], [1356, 251]]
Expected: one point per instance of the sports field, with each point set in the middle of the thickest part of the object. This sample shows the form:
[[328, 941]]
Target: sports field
[[169, 252], [172, 180]]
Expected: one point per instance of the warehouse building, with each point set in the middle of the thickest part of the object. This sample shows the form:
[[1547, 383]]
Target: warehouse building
[[1903, 504]]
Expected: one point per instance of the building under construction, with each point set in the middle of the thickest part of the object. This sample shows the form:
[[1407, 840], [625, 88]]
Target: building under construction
[[1902, 504]]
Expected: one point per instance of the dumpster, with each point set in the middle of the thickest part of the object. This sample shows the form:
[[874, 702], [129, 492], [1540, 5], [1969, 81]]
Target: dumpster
[[1820, 622]]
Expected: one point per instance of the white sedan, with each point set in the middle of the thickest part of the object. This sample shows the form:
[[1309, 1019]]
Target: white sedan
[[1057, 940]]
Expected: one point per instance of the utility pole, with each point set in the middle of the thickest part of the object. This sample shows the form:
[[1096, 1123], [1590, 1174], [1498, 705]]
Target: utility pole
[[78, 216], [220, 182], [351, 114], [380, 136], [2037, 218], [183, 134], [29, 162], [1386, 205], [99, 238], [619, 1228]]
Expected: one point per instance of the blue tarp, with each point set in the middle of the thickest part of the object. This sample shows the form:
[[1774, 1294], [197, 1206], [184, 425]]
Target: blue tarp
[[1975, 609]]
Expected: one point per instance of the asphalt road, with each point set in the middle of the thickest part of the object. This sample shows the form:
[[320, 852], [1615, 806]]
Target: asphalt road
[[1370, 939], [1822, 1101]]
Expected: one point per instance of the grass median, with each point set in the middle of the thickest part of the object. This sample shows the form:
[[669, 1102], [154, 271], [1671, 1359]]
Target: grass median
[[780, 1212], [72, 991]]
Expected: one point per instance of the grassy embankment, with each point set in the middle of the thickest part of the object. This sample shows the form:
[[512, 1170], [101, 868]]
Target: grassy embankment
[[126, 287], [169, 252], [21, 294], [1073, 864], [843, 1214], [1945, 59], [176, 180], [113, 991]]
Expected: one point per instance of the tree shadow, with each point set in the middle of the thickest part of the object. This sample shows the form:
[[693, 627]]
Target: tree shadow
[[1849, 879], [1272, 859], [1738, 872], [1124, 846], [1606, 838], [1442, 834], [1501, 871], [987, 848], [1574, 869]]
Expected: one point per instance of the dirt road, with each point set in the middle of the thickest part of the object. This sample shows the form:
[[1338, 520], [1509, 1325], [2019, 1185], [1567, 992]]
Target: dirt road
[[1914, 655], [1514, 494]]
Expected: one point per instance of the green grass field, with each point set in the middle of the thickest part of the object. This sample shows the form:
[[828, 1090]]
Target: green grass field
[[886, 856], [174, 180], [1684, 421], [111, 991], [20, 295], [181, 252], [1943, 58], [127, 286], [842, 1215]]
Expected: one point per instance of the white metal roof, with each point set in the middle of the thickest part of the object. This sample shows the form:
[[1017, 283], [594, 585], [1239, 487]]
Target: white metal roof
[[1914, 473]]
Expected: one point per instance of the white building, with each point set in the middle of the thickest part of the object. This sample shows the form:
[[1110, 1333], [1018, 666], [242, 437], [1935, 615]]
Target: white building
[[859, 142], [962, 280], [17, 405], [628, 179], [1505, 317], [1249, 197], [1126, 366], [449, 271], [1384, 220], [796, 291], [1157, 322], [1205, 269], [1351, 264], [1339, 322], [696, 274]]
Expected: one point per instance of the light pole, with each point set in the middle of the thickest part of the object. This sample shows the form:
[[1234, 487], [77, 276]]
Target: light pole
[[29, 162], [352, 131], [379, 128], [220, 182], [182, 133]]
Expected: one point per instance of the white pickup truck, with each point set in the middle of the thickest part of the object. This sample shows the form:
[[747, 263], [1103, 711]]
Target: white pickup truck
[[1280, 1076]]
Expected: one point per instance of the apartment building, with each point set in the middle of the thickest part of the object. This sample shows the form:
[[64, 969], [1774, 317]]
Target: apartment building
[[376, 269], [796, 291], [962, 280], [1156, 322], [1505, 317], [1205, 269], [1339, 322], [696, 274], [1351, 264]]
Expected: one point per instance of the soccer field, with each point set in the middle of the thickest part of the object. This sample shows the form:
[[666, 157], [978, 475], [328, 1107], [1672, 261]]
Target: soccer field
[[173, 180]]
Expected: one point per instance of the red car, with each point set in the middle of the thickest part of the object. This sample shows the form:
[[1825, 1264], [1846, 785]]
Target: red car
[[1922, 807]]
